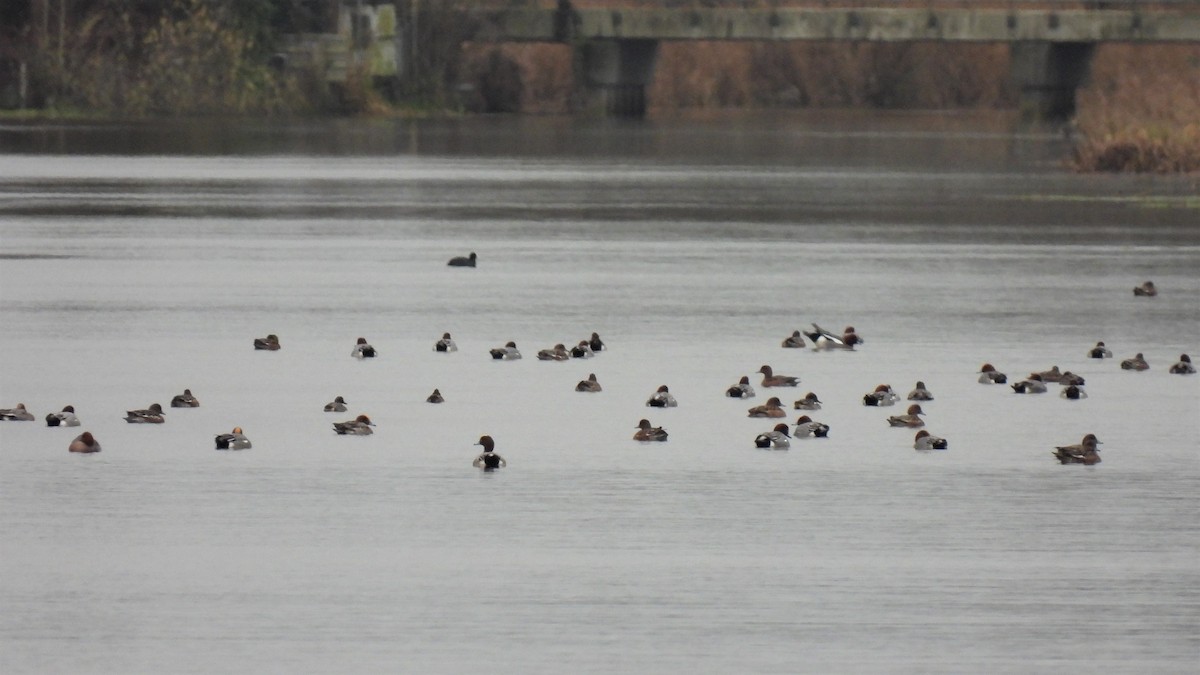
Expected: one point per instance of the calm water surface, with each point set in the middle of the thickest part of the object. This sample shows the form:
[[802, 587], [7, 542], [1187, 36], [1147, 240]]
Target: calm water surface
[[135, 262]]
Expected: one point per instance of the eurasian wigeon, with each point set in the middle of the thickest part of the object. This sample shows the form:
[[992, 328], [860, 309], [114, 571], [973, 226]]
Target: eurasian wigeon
[[1052, 375], [1136, 363], [557, 353], [234, 440], [488, 460], [359, 426], [1099, 352], [1184, 367], [770, 379], [1147, 289], [920, 393], [589, 385], [435, 397], [84, 443], [776, 439], [823, 339], [582, 350], [508, 352], [1083, 453], [446, 344], [927, 441], [809, 402], [910, 419], [645, 432], [151, 415], [805, 427], [881, 396], [741, 390], [269, 343], [463, 261], [772, 408], [1030, 385], [185, 400], [1073, 392], [17, 414], [794, 341], [362, 350], [66, 418], [1069, 378], [338, 404], [989, 375], [662, 398], [596, 343]]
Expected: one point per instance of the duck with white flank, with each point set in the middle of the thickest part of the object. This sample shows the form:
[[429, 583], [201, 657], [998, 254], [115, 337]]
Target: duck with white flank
[[741, 390], [234, 440], [589, 385], [1183, 367], [825, 340], [1136, 363], [596, 343], [910, 419], [557, 353], [645, 432], [809, 402], [662, 398], [1073, 392], [920, 393], [269, 343], [359, 426], [989, 375], [446, 344], [66, 418], [582, 350], [775, 439], [488, 460], [151, 415], [17, 414], [185, 400], [881, 396], [806, 427], [462, 261], [362, 350], [84, 443], [508, 352], [1031, 385], [772, 408], [770, 379], [927, 441], [1083, 453], [338, 404], [1147, 290], [1099, 352], [794, 341]]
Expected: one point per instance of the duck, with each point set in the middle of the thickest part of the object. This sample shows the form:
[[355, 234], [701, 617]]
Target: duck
[[151, 415], [662, 398], [920, 393], [910, 419], [446, 344], [809, 402], [645, 432], [1031, 385], [1183, 367], [557, 353], [84, 443], [1052, 375], [1099, 352], [1069, 378], [359, 426], [825, 340], [989, 375], [338, 404], [234, 440], [435, 397], [1136, 363], [1073, 392], [1083, 453], [582, 350], [269, 343], [462, 261], [488, 460], [775, 439], [794, 341], [66, 418], [770, 379], [881, 396], [927, 441], [772, 408], [185, 400], [591, 384], [805, 426], [362, 350], [508, 352], [596, 343], [742, 389], [1147, 290], [17, 414]]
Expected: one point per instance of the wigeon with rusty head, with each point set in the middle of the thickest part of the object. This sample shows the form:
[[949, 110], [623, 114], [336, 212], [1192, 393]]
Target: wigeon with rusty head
[[508, 352], [775, 439], [881, 396], [927, 441], [1099, 352], [446, 344], [809, 402], [911, 419], [234, 440], [84, 443], [742, 389], [662, 398], [989, 375], [772, 408], [806, 427], [151, 415], [1031, 385], [66, 418], [359, 426], [646, 432]]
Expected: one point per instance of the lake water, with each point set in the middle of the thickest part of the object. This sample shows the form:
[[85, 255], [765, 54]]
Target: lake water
[[139, 261]]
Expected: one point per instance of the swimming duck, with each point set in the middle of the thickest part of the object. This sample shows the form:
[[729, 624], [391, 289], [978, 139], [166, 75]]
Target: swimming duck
[[1073, 392], [795, 341], [805, 427], [488, 460], [645, 432], [823, 339], [741, 390], [557, 353], [66, 418], [84, 443], [1184, 367], [589, 385], [920, 393], [362, 350], [17, 414], [881, 396], [596, 343], [435, 397], [1147, 289], [1069, 378], [151, 415], [359, 426], [989, 375], [772, 408], [809, 402], [185, 400], [269, 343], [1136, 363], [662, 398], [776, 439], [446, 344], [1052, 375], [770, 379], [1083, 453], [235, 440], [910, 419], [506, 353], [462, 261], [1099, 352], [927, 441], [338, 404], [582, 350], [1031, 385]]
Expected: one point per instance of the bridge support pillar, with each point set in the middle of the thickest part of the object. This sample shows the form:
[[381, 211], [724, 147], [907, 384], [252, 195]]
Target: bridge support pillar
[[1047, 75], [613, 75]]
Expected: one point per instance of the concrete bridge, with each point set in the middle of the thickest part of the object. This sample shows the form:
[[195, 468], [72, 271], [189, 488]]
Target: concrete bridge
[[1052, 43]]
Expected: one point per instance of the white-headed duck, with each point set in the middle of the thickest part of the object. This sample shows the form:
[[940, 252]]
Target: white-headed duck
[[359, 426], [920, 393], [488, 460], [508, 352], [338, 404], [662, 398], [989, 375], [446, 344], [185, 400], [84, 443], [1083, 453], [1183, 367], [645, 432], [66, 418], [910, 419], [742, 389], [1099, 352], [794, 341], [1147, 290], [772, 408], [362, 350], [927, 441], [557, 353], [151, 415], [1136, 363], [463, 261], [17, 414], [809, 402], [234, 440], [770, 379], [589, 385], [269, 343], [805, 427], [776, 439]]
